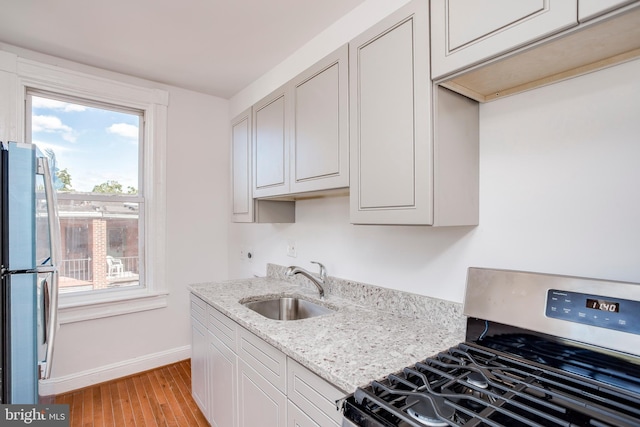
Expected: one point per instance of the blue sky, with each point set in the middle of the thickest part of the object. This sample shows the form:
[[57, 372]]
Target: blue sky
[[94, 145]]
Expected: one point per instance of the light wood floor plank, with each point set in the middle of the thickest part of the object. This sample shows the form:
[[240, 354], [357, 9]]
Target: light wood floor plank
[[156, 398]]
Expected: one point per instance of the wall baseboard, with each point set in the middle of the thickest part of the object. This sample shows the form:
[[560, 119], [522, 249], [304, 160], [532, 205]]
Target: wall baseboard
[[114, 371]]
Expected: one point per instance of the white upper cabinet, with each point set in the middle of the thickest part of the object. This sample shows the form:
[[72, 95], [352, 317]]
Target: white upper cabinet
[[301, 132], [468, 32], [588, 9], [320, 134], [391, 161], [484, 64], [271, 145], [241, 185], [396, 164]]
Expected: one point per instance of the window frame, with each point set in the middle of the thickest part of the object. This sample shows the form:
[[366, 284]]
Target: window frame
[[154, 104]]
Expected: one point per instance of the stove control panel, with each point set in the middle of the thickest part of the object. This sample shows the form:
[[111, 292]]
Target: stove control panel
[[605, 312]]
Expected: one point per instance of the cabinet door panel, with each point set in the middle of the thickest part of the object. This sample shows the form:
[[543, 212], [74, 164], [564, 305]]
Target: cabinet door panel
[[465, 27], [223, 365], [316, 122], [199, 369], [467, 32], [588, 9], [242, 199], [260, 403], [391, 163], [320, 139], [270, 145], [386, 136]]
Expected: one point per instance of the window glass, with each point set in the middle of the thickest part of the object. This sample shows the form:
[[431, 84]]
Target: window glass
[[96, 153]]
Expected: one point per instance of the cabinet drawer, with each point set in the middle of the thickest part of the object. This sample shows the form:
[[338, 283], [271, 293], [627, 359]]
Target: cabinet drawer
[[268, 361], [222, 327], [313, 395], [199, 309]]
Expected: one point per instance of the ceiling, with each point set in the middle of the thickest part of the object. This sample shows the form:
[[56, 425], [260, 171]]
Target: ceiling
[[211, 46]]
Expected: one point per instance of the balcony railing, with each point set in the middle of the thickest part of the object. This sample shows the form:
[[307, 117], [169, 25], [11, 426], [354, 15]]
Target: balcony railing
[[81, 268]]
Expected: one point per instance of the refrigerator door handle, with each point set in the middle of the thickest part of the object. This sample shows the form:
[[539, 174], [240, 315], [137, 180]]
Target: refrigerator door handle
[[54, 238]]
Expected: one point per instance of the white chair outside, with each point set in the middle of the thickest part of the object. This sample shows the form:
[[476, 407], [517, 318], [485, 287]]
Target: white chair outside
[[115, 267]]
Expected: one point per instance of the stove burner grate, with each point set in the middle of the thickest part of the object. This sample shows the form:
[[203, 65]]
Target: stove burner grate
[[471, 385]]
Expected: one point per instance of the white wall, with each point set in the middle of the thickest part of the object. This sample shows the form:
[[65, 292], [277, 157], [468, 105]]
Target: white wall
[[197, 216], [197, 171], [343, 30], [559, 193]]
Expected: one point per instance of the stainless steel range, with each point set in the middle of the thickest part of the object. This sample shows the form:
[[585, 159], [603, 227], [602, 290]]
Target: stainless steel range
[[540, 350]]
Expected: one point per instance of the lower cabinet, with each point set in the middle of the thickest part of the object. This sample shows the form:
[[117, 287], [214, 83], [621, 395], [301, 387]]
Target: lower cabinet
[[312, 400], [239, 380], [223, 364], [261, 403], [199, 356]]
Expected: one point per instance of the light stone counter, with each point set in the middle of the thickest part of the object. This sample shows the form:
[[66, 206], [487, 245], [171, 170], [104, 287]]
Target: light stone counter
[[364, 339]]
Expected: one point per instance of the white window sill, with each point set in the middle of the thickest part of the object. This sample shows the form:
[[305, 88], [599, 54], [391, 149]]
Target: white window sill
[[78, 308]]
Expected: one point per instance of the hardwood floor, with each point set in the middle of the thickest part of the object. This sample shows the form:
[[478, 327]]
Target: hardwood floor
[[160, 397]]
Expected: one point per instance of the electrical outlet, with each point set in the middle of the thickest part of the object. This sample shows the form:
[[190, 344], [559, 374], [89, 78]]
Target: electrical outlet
[[292, 249], [246, 254]]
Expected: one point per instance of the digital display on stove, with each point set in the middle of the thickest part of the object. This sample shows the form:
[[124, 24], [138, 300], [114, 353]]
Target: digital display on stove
[[602, 305]]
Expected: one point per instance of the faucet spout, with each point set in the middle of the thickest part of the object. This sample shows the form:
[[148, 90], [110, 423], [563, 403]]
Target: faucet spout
[[317, 280]]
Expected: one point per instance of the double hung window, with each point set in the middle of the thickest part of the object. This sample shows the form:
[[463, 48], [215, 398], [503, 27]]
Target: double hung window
[[106, 140]]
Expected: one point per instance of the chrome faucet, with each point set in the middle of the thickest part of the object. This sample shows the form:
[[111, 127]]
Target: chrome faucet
[[317, 280]]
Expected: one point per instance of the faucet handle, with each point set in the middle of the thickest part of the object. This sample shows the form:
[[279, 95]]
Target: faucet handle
[[323, 270]]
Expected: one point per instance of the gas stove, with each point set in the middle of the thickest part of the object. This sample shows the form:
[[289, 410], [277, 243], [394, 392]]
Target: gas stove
[[535, 357]]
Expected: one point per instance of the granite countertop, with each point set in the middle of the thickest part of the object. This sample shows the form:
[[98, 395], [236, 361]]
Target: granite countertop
[[350, 347]]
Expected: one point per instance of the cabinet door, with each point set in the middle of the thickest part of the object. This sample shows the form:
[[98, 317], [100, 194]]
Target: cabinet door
[[320, 134], [199, 368], [588, 9], [222, 389], [468, 32], [391, 163], [271, 145], [313, 396], [241, 185], [260, 403]]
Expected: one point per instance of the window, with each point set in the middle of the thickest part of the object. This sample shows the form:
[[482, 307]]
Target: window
[[97, 156], [108, 141]]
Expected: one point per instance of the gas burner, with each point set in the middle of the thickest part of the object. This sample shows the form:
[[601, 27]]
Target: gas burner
[[426, 408], [472, 391], [478, 380]]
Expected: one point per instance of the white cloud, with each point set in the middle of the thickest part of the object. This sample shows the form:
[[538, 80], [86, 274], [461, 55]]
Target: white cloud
[[52, 124], [124, 129], [37, 102], [43, 146]]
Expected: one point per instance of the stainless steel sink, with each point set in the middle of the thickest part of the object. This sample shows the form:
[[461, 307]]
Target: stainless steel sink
[[287, 308]]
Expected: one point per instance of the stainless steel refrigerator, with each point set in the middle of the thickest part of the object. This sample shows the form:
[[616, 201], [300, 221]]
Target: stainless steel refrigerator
[[29, 257]]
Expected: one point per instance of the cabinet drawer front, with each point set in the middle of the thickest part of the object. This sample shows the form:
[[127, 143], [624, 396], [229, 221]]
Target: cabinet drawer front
[[198, 309], [315, 396], [222, 327], [268, 361]]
